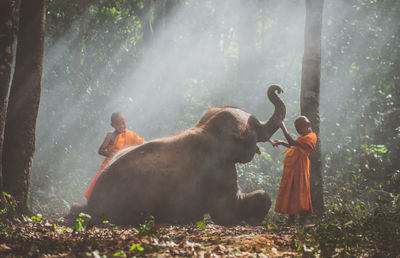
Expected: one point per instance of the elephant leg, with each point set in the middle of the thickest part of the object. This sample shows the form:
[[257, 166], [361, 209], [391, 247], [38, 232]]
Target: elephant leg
[[250, 207], [223, 210], [253, 207]]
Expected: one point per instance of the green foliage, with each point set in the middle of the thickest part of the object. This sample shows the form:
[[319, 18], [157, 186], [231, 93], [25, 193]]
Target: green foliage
[[353, 232], [201, 225], [79, 225], [8, 210], [136, 247], [120, 254], [38, 218], [147, 226], [143, 248]]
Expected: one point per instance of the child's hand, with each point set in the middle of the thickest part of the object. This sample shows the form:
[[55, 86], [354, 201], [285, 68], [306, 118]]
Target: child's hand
[[275, 143]]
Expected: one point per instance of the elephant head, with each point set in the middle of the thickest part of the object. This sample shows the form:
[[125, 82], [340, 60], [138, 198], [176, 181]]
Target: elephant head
[[237, 131]]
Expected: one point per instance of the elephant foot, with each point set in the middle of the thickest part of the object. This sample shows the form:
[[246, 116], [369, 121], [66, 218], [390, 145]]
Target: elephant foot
[[223, 212], [249, 207], [253, 207]]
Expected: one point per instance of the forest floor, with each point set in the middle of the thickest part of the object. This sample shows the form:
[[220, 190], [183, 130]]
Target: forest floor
[[38, 237]]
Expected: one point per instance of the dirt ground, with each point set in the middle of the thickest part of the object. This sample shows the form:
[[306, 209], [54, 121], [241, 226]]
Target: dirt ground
[[40, 237]]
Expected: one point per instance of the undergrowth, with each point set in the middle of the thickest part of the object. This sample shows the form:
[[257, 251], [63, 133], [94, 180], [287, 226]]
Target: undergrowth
[[353, 231]]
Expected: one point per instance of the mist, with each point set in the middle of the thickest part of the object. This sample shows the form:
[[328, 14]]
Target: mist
[[193, 62]]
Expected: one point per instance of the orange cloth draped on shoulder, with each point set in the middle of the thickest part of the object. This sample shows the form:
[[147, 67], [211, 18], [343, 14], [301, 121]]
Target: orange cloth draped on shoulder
[[294, 195], [123, 140]]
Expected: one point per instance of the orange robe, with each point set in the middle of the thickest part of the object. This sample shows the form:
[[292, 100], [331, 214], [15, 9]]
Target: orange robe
[[294, 195], [122, 140]]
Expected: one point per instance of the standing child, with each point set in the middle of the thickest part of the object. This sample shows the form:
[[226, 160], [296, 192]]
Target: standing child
[[294, 197], [115, 141]]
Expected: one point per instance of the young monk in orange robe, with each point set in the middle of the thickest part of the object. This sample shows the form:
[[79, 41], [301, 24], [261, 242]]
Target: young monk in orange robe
[[115, 141], [294, 195]]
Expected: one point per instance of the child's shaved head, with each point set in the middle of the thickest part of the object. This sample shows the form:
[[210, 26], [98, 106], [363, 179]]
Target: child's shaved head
[[115, 116], [302, 124], [118, 121]]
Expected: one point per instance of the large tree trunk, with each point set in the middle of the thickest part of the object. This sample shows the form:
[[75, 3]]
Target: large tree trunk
[[6, 58], [19, 135], [310, 89]]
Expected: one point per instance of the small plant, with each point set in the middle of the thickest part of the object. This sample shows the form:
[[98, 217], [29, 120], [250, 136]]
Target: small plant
[[9, 207], [136, 247], [145, 229], [79, 222], [120, 254], [202, 225], [161, 232], [38, 218]]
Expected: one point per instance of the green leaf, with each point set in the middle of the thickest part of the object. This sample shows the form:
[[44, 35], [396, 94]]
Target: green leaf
[[267, 157], [201, 224], [120, 253], [137, 247]]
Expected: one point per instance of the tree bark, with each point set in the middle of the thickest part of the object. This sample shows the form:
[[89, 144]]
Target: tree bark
[[6, 59], [310, 94], [19, 134]]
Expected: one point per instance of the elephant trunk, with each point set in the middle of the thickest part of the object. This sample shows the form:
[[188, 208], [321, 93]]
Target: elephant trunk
[[270, 127]]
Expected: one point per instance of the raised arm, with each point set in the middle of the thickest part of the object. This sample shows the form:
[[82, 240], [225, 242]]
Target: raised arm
[[103, 147], [276, 143], [289, 138]]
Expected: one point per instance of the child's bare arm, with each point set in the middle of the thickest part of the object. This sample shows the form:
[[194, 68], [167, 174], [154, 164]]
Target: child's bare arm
[[276, 143], [289, 138], [103, 147]]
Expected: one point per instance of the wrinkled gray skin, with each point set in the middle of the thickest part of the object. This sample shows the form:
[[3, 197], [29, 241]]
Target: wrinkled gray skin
[[178, 179]]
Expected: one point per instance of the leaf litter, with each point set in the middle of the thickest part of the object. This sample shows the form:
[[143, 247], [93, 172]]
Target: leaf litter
[[56, 238]]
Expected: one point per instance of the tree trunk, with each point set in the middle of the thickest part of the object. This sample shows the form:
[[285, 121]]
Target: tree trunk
[[310, 89], [6, 59], [19, 134]]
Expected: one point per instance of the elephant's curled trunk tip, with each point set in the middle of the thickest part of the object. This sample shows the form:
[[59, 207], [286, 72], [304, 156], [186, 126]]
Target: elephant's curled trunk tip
[[280, 109], [273, 88], [270, 126]]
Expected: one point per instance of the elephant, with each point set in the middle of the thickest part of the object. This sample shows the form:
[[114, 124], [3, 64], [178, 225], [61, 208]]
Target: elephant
[[178, 179]]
